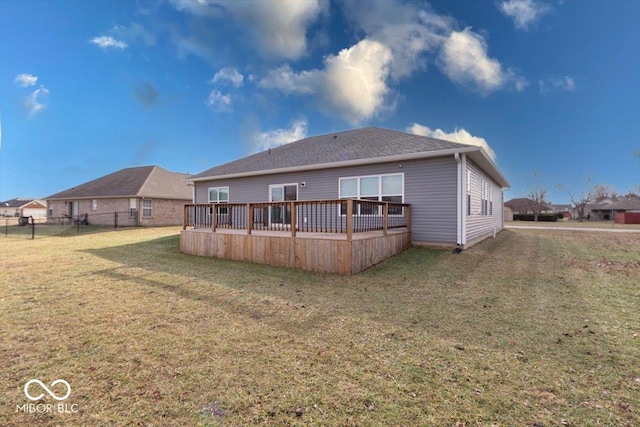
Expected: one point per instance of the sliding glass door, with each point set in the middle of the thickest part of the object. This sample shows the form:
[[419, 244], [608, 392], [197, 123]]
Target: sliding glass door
[[281, 214]]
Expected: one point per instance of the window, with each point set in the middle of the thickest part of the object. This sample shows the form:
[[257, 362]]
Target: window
[[379, 188], [490, 200], [219, 195], [94, 205], [147, 208], [486, 197]]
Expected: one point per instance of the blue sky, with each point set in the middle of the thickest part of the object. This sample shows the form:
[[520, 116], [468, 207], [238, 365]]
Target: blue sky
[[91, 87]]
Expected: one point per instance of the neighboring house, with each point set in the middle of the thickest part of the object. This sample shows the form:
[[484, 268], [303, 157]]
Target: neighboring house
[[565, 210], [606, 208], [23, 207], [455, 190], [523, 205], [146, 195]]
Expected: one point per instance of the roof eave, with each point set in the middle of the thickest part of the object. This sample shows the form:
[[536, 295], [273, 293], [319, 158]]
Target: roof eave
[[346, 163], [489, 166]]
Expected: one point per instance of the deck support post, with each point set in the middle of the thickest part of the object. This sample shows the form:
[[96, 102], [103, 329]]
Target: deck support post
[[214, 216], [184, 217], [385, 218], [294, 219], [349, 219], [249, 218]]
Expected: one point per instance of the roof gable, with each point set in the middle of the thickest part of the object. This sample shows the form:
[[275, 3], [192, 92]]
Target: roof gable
[[15, 203], [143, 181]]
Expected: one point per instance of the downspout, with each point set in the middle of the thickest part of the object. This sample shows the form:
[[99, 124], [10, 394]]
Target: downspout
[[459, 208], [463, 208]]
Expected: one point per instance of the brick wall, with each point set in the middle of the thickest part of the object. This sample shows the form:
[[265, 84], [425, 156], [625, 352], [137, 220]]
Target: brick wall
[[164, 212]]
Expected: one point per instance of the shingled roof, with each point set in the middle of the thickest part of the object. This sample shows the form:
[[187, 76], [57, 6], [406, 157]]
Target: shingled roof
[[357, 146], [15, 203], [143, 181]]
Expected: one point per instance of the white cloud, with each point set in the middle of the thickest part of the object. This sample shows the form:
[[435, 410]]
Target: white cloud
[[356, 80], [219, 101], [465, 61], [564, 83], [34, 102], [409, 32], [262, 141], [523, 12], [278, 28], [228, 74], [288, 81], [108, 42], [353, 83], [134, 32], [25, 80], [460, 136]]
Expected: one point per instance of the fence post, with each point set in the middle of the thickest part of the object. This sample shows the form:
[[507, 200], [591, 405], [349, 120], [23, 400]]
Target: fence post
[[249, 218], [115, 220], [385, 218], [214, 217], [349, 219], [408, 208], [33, 227]]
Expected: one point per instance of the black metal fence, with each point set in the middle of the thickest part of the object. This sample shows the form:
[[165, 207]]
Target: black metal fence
[[64, 225]]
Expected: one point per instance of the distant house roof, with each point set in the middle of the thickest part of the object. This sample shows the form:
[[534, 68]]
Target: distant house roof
[[143, 181], [15, 203], [524, 205], [621, 203], [352, 147], [562, 208]]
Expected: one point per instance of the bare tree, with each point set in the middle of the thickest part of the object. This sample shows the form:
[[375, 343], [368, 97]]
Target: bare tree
[[538, 195], [579, 196], [603, 191]]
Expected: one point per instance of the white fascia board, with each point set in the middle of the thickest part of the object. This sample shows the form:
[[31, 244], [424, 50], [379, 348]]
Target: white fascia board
[[358, 162]]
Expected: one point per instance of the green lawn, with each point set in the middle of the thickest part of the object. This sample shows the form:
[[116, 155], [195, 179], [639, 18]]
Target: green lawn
[[533, 328]]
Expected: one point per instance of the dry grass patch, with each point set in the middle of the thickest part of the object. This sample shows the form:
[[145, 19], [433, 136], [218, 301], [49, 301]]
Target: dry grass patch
[[526, 329]]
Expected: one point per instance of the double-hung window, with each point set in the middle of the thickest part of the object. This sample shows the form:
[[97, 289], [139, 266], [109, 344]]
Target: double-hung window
[[378, 188], [147, 208], [219, 195]]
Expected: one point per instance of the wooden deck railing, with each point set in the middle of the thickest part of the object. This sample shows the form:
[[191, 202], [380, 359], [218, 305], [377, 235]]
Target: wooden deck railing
[[346, 216]]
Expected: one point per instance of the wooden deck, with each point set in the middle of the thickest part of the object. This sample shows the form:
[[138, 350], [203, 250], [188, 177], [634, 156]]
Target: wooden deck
[[322, 252]]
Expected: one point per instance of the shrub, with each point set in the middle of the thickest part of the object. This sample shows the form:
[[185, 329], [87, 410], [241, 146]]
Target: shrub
[[532, 217]]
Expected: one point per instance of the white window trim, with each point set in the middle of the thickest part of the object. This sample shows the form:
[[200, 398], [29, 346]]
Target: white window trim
[[379, 195], [147, 208], [94, 204], [222, 211], [271, 186], [218, 192]]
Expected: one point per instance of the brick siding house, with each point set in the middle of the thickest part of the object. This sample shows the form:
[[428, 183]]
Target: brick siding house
[[146, 196]]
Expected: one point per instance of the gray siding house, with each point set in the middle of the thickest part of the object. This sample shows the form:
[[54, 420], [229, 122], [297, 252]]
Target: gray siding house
[[455, 190]]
